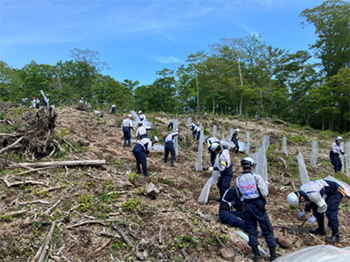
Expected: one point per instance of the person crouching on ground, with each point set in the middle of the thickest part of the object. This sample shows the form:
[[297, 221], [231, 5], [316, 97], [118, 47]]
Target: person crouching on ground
[[140, 151]]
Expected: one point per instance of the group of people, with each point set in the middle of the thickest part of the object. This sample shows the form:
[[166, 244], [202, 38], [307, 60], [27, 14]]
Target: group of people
[[244, 205], [35, 103]]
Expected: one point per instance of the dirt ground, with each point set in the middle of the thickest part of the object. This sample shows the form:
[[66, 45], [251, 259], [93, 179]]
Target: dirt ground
[[107, 194]]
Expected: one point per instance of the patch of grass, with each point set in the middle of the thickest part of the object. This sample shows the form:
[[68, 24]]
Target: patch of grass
[[132, 177], [5, 218], [131, 205]]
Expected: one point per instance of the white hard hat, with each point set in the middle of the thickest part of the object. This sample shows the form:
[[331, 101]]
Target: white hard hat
[[140, 112], [237, 130], [155, 138], [248, 162], [214, 147], [129, 115], [293, 198], [339, 138], [140, 123]]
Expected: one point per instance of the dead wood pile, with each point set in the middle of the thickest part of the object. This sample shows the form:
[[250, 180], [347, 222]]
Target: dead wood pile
[[36, 138]]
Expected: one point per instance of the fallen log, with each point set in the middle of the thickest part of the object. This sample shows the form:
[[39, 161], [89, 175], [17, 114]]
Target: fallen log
[[101, 222], [62, 163], [31, 182], [124, 236], [13, 145], [47, 242]]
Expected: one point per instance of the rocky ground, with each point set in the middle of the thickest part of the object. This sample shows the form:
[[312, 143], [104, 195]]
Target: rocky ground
[[168, 226]]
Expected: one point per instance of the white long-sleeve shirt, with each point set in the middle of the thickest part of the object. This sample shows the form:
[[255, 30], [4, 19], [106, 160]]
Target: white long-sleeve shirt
[[248, 184], [337, 149]]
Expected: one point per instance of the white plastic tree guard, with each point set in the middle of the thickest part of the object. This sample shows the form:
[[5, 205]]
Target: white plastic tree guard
[[203, 197], [199, 158], [189, 121], [248, 144], [176, 145], [214, 130], [229, 139], [304, 176], [266, 142], [347, 158], [285, 150], [260, 159], [314, 153], [342, 159], [146, 123]]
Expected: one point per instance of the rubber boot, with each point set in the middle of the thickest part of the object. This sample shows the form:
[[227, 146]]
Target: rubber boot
[[320, 230], [129, 143], [256, 254], [145, 171], [164, 160], [273, 255], [335, 236], [124, 145], [172, 162]]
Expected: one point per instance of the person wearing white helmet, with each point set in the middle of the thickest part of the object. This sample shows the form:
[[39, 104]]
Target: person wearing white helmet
[[169, 147], [140, 151], [320, 196], [113, 109], [234, 140], [334, 154], [253, 190], [209, 141], [142, 116], [127, 126], [141, 132], [224, 166]]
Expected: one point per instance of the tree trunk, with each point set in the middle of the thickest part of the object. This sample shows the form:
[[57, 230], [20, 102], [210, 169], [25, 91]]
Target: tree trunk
[[322, 121], [63, 163], [213, 104], [197, 91]]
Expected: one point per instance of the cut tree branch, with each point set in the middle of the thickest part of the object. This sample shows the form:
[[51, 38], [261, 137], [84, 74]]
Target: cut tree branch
[[13, 145]]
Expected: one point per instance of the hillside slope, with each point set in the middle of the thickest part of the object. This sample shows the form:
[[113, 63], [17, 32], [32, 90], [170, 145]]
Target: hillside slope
[[108, 195]]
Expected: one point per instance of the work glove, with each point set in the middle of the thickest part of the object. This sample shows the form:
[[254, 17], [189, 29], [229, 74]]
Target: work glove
[[211, 169], [312, 219], [301, 214]]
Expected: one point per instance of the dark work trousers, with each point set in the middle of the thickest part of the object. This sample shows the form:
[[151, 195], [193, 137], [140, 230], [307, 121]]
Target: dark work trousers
[[224, 181], [169, 147], [333, 202], [194, 133], [127, 134], [140, 157], [212, 158], [235, 142], [233, 218], [252, 215], [171, 125], [198, 135], [143, 136], [336, 162], [113, 111]]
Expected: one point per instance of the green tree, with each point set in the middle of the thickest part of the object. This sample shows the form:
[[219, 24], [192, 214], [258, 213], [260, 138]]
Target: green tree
[[332, 27]]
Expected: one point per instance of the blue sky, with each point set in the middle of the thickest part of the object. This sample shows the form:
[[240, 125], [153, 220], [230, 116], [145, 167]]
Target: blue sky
[[138, 38]]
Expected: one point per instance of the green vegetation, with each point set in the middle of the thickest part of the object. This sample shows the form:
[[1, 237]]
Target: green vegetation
[[131, 205]]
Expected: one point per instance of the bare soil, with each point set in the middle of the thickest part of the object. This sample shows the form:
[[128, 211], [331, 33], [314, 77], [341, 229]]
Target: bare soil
[[87, 194]]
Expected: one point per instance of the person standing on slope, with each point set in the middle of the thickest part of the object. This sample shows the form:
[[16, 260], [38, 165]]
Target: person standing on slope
[[127, 126], [334, 154], [140, 151], [169, 147], [141, 132], [234, 140]]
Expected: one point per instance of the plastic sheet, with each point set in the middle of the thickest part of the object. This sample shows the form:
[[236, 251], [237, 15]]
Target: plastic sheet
[[242, 146], [135, 121], [304, 176], [343, 184], [322, 253], [248, 144], [314, 153], [285, 150], [158, 148], [176, 144], [199, 158], [214, 130], [203, 197], [347, 158], [189, 122], [266, 142]]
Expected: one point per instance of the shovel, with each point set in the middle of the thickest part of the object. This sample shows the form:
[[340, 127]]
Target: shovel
[[225, 252]]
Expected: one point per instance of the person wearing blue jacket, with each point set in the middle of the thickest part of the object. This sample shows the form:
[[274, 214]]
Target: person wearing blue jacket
[[127, 126], [334, 154], [320, 196], [140, 151], [253, 190], [169, 147]]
